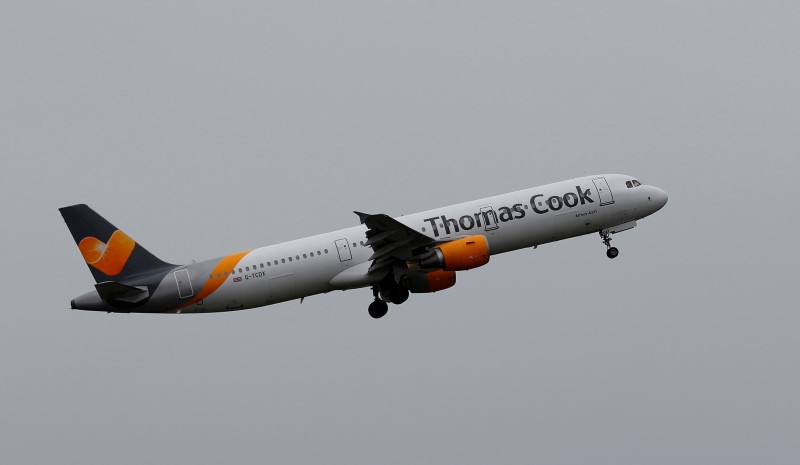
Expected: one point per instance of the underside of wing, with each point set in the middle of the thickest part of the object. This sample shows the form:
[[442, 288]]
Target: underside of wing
[[391, 240], [410, 261]]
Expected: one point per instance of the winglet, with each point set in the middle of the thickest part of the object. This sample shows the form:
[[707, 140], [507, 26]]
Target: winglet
[[362, 216]]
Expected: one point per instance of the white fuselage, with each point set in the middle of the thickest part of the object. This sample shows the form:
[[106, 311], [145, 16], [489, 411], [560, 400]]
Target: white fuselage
[[525, 218]]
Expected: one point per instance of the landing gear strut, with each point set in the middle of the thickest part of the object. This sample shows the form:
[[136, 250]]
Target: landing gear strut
[[612, 252], [387, 291]]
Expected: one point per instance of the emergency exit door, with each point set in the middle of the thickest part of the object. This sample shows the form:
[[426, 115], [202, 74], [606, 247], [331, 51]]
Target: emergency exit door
[[489, 218], [184, 284], [344, 250]]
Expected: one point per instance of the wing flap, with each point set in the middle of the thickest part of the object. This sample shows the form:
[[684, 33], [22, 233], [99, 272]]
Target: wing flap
[[390, 239], [389, 248]]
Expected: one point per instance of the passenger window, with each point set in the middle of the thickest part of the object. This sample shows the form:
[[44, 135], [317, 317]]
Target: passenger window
[[283, 260], [211, 276], [276, 262], [354, 245], [226, 273], [297, 257], [247, 269], [240, 270], [290, 258], [219, 275], [326, 250], [319, 253], [305, 256], [312, 254]]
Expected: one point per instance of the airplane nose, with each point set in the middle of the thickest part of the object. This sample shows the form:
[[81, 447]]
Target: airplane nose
[[663, 197], [660, 197]]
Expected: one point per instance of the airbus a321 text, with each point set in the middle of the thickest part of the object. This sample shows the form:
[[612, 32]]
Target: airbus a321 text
[[416, 253]]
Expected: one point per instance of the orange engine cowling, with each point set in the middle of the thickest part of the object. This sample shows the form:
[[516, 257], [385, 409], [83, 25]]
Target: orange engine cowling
[[462, 254], [432, 281]]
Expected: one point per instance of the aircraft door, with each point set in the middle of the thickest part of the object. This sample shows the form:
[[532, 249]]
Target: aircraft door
[[184, 284], [606, 197], [489, 217], [344, 250]]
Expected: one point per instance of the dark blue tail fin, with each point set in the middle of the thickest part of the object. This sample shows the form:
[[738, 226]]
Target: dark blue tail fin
[[111, 254]]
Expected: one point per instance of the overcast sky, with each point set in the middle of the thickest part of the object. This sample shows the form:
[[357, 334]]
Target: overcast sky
[[204, 128]]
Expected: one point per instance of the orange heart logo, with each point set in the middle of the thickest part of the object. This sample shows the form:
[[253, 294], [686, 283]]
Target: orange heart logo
[[108, 258]]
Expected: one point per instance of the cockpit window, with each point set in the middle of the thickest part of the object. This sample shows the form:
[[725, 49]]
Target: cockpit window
[[629, 184], [636, 183]]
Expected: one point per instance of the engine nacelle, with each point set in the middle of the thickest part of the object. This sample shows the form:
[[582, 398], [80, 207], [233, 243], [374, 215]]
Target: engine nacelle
[[459, 255], [432, 281]]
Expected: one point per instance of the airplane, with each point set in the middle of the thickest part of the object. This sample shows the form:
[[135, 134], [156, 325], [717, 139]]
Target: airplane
[[418, 253]]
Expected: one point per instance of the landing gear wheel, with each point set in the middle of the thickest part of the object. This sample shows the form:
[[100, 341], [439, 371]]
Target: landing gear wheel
[[398, 295], [378, 309], [612, 252]]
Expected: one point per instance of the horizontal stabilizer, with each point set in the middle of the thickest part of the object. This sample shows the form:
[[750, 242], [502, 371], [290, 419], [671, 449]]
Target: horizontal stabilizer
[[114, 291]]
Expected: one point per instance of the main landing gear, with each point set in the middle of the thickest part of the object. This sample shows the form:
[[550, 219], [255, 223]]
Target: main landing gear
[[378, 309], [386, 291], [612, 252]]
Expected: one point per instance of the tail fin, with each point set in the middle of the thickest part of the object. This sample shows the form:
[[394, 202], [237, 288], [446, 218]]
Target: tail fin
[[111, 254]]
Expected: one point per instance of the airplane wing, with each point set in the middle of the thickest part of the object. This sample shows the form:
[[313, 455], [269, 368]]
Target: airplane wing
[[391, 240]]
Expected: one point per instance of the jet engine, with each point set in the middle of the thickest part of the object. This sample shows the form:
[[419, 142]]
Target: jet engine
[[461, 254], [432, 281]]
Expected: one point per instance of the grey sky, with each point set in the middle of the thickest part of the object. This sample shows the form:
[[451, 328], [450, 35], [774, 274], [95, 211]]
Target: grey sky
[[204, 128]]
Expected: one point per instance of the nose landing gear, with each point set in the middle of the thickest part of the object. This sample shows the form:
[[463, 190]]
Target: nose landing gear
[[612, 252]]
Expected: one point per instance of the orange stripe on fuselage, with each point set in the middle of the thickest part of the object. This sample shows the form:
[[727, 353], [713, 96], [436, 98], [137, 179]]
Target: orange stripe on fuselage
[[226, 264]]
